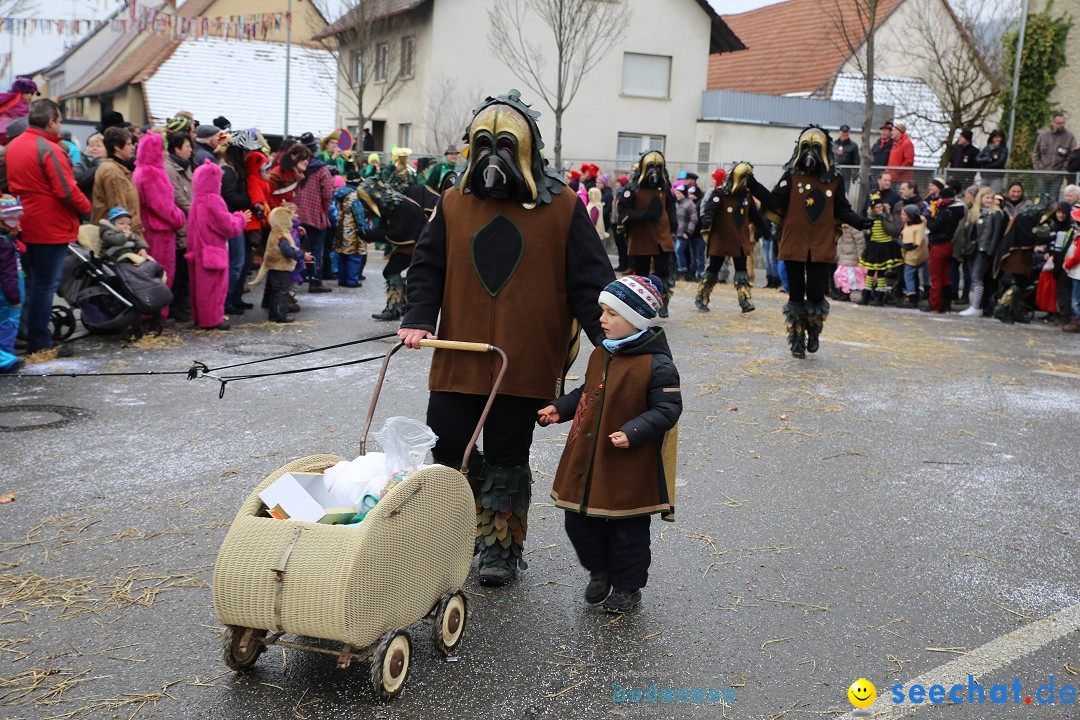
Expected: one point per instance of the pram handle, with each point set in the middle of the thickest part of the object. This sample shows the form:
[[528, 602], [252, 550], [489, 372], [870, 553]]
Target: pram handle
[[443, 345], [457, 345]]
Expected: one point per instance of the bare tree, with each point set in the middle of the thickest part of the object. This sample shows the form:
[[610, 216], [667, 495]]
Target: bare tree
[[448, 111], [962, 58], [581, 33], [855, 24], [374, 53]]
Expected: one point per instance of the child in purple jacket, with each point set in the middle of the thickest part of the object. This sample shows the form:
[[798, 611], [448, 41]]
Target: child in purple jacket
[[11, 280]]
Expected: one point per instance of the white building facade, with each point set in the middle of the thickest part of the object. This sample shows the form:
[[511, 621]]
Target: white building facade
[[644, 93]]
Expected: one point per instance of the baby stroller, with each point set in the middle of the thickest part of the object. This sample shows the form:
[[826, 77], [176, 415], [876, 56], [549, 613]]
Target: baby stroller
[[361, 586], [110, 295]]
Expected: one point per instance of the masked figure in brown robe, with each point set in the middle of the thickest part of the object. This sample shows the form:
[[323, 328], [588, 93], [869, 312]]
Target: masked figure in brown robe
[[511, 259]]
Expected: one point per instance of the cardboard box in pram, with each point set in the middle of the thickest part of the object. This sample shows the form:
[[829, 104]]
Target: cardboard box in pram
[[303, 496]]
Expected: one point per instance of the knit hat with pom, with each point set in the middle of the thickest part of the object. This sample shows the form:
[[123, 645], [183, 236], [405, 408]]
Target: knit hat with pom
[[636, 299]]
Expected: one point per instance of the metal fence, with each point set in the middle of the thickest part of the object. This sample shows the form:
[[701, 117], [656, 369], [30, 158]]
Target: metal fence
[[1034, 182]]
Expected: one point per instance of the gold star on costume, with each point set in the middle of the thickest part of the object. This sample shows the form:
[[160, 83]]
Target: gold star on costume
[[809, 201]]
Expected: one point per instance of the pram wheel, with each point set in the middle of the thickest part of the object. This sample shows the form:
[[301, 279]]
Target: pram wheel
[[241, 646], [390, 664], [448, 626], [63, 323]]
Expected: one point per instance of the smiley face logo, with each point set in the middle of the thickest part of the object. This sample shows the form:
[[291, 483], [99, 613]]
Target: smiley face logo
[[862, 693]]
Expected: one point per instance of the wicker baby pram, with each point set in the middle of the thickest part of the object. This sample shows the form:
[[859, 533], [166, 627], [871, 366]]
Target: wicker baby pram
[[360, 585]]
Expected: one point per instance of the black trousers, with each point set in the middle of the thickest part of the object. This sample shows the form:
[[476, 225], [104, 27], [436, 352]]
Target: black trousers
[[508, 432], [643, 264], [277, 283], [807, 280], [620, 247], [181, 289], [715, 261], [620, 546], [396, 265]]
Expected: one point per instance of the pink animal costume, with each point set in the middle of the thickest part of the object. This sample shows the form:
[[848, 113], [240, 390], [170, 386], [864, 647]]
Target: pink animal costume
[[210, 225], [161, 217]]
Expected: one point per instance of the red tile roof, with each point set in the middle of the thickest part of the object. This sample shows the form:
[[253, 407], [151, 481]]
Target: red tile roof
[[792, 47]]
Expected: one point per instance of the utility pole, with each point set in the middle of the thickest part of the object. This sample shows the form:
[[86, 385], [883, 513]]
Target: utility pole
[[1016, 73], [288, 60]]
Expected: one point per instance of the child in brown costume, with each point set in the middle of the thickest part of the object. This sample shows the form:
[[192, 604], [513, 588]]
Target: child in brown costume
[[611, 477]]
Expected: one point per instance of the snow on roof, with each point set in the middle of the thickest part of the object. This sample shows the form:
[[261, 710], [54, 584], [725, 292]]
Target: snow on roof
[[245, 82], [909, 97]]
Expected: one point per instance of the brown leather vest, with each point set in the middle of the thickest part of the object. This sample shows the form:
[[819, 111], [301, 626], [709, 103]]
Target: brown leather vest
[[526, 313], [644, 238], [729, 238], [810, 229], [594, 476]]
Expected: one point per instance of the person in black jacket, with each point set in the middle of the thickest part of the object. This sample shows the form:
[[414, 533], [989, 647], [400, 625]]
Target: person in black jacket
[[963, 157], [846, 149], [995, 154], [883, 147], [945, 216], [234, 191]]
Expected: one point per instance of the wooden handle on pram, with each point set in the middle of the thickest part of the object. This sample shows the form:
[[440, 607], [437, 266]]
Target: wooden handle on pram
[[456, 345], [443, 345]]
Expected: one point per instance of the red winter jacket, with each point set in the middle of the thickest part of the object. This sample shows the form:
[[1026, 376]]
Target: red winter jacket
[[40, 173], [258, 191], [903, 151]]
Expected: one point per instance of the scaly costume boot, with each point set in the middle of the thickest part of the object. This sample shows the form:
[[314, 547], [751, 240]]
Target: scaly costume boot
[[666, 297], [744, 290], [705, 291], [502, 515], [395, 299], [815, 323], [795, 314]]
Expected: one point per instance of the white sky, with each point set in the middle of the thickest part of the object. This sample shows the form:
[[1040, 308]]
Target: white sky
[[39, 50]]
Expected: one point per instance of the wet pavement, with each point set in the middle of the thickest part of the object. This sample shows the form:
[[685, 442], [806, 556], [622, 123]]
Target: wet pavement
[[891, 504]]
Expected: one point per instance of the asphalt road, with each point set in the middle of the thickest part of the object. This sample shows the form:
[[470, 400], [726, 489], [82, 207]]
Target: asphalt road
[[898, 502]]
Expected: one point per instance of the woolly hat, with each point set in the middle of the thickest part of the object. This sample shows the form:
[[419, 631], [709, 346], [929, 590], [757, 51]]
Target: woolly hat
[[939, 183], [177, 124], [118, 212], [622, 180], [373, 158], [604, 179], [222, 122], [636, 299], [16, 127], [967, 135], [10, 208], [719, 175], [25, 85], [205, 132]]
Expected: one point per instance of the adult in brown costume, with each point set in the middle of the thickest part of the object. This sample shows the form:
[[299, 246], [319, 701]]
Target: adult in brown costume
[[398, 222], [647, 215], [811, 202], [1013, 263], [726, 226], [511, 259]]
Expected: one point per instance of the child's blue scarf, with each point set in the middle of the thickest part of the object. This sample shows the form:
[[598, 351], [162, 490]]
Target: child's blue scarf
[[613, 345]]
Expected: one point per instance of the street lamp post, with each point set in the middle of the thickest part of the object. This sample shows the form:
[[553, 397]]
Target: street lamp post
[[288, 60], [1016, 73]]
